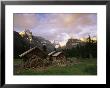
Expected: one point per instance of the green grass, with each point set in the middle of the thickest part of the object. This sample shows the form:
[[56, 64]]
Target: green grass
[[17, 61], [83, 67]]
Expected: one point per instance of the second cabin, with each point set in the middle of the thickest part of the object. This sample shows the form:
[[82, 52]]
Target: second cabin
[[57, 57]]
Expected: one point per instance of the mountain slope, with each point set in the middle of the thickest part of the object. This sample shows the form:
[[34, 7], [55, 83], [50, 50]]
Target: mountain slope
[[21, 44]]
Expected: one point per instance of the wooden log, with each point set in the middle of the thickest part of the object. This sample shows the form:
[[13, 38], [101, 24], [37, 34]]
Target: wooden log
[[33, 63]]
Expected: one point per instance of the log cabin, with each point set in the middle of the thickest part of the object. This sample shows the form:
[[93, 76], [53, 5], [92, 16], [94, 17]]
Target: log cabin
[[58, 58], [33, 57]]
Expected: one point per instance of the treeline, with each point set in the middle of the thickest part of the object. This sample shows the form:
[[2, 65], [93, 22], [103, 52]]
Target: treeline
[[88, 50], [20, 45]]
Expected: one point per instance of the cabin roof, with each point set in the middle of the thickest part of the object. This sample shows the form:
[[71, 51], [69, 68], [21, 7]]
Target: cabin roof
[[56, 54], [51, 53], [28, 51]]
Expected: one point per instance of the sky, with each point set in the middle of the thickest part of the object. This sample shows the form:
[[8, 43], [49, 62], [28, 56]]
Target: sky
[[57, 26]]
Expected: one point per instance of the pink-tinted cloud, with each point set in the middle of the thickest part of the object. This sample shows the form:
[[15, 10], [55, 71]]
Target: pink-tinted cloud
[[23, 21], [58, 26]]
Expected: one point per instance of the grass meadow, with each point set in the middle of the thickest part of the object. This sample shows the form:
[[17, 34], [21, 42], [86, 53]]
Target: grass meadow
[[78, 67]]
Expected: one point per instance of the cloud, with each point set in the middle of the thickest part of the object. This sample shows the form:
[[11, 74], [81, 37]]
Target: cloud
[[25, 21], [59, 27]]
